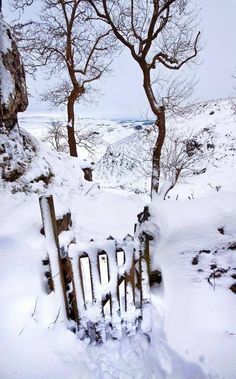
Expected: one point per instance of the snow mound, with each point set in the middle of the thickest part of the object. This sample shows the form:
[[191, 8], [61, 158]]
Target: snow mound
[[33, 167]]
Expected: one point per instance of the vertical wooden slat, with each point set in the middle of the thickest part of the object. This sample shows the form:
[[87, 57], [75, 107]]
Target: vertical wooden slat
[[69, 278], [95, 329], [100, 276], [147, 253], [140, 282], [125, 284], [83, 287], [91, 281], [117, 283], [108, 273], [132, 278], [120, 280], [82, 281], [108, 295]]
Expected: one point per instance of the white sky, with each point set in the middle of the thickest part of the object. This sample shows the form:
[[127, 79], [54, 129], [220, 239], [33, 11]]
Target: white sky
[[123, 93]]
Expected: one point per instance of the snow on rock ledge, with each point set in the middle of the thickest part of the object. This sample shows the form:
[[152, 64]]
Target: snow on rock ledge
[[13, 95], [16, 148]]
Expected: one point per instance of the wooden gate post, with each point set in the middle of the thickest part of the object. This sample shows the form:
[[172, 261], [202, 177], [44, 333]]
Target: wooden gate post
[[53, 250]]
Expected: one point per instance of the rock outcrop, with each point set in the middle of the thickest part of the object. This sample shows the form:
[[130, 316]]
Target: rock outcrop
[[15, 148], [13, 95]]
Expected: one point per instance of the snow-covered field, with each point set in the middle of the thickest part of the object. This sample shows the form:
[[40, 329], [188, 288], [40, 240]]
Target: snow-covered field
[[193, 316]]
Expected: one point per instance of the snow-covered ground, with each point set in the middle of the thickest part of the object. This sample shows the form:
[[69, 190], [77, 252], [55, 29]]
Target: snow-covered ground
[[198, 271], [34, 346], [193, 329]]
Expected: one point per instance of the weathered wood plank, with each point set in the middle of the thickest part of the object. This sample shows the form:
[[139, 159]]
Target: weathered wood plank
[[53, 249]]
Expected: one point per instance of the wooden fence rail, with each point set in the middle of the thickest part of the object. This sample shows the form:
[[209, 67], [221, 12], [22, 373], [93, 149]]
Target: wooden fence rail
[[103, 286]]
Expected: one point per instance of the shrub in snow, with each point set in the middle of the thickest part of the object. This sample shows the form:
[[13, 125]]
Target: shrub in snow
[[128, 162], [86, 138]]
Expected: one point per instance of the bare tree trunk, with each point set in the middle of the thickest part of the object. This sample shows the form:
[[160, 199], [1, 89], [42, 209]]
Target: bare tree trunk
[[159, 112], [156, 158], [71, 125]]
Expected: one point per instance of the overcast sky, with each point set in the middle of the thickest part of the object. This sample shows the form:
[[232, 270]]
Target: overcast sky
[[123, 93]]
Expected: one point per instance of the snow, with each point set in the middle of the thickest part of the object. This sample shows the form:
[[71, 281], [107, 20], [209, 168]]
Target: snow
[[39, 347], [204, 314], [191, 320], [5, 45], [7, 85]]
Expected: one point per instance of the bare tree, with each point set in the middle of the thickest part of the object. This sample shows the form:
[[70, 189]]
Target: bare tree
[[158, 33], [73, 47], [175, 93], [21, 4], [88, 139], [85, 137], [184, 154], [56, 137]]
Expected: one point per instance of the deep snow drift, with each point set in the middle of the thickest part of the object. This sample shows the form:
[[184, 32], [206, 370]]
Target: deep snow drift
[[193, 329], [34, 345]]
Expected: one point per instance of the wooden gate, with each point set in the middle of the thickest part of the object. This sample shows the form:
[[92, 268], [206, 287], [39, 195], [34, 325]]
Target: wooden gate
[[104, 284]]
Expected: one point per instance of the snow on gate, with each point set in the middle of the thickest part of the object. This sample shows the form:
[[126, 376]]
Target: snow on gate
[[103, 286]]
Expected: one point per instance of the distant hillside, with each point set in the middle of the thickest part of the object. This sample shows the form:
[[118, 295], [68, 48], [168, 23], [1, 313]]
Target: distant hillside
[[127, 162]]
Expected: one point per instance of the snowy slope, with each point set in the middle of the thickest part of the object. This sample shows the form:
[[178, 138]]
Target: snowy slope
[[127, 162]]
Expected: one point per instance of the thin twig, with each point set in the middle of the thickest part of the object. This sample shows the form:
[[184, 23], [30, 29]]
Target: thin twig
[[21, 331], [35, 306], [54, 322]]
